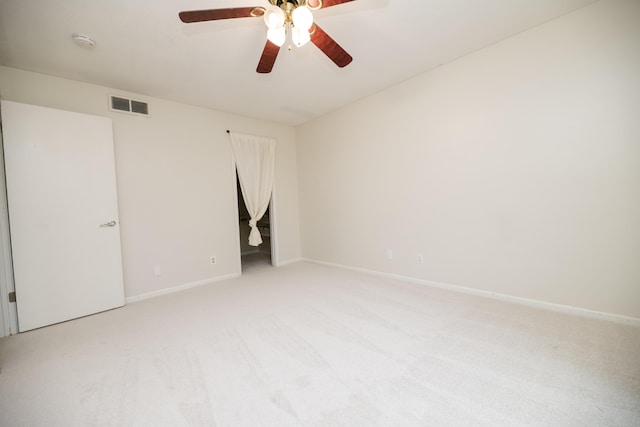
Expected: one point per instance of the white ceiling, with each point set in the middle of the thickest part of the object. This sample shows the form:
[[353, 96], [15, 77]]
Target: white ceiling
[[142, 47]]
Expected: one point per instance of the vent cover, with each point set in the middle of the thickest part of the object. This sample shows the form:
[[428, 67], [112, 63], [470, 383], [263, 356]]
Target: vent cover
[[139, 107], [129, 105]]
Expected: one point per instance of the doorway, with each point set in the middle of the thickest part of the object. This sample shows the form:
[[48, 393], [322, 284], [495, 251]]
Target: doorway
[[254, 257]]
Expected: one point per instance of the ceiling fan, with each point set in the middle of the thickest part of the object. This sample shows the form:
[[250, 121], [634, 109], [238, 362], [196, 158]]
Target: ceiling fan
[[284, 19]]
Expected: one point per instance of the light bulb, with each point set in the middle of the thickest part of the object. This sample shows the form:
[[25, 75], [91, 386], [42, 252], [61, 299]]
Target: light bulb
[[274, 17], [302, 17], [277, 35], [300, 36]]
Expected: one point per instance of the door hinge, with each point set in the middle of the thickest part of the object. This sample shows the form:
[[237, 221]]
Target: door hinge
[[12, 297]]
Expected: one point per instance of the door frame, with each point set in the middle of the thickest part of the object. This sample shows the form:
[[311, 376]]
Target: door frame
[[8, 311], [272, 229]]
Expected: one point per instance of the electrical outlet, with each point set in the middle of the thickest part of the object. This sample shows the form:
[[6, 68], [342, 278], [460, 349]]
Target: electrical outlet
[[420, 259], [389, 253], [156, 270], [213, 260]]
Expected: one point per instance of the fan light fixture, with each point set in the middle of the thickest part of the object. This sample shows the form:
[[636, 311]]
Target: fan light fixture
[[284, 18], [290, 16]]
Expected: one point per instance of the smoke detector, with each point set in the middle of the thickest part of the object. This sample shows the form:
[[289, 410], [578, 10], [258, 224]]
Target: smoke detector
[[83, 40]]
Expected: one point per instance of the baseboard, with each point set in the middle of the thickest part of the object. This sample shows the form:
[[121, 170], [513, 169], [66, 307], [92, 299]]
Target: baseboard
[[173, 289], [567, 309], [250, 252], [288, 261]]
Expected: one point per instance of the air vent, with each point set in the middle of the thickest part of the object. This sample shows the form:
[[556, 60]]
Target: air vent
[[121, 104], [129, 106], [139, 107]]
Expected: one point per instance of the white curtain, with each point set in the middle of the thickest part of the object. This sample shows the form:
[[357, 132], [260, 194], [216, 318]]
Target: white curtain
[[255, 162]]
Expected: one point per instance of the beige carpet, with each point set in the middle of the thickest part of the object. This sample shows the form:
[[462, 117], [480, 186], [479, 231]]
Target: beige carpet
[[306, 345]]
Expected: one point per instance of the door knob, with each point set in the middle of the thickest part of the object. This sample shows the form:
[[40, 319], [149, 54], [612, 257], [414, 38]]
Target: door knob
[[108, 224]]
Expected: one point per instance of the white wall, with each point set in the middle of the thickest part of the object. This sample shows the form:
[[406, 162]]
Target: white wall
[[176, 181], [515, 169]]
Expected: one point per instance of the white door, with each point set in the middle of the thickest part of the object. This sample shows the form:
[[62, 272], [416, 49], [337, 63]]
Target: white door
[[63, 214]]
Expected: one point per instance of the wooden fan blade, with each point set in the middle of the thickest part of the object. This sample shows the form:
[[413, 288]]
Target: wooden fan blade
[[190, 16], [329, 46], [268, 58], [321, 4]]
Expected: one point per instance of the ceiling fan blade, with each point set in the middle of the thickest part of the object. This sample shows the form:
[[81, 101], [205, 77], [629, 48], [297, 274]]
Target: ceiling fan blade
[[329, 46], [268, 58], [321, 4], [190, 16]]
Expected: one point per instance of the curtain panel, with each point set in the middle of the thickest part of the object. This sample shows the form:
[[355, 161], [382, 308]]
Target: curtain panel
[[255, 163]]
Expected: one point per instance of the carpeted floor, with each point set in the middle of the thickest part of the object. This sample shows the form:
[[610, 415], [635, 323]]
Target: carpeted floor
[[307, 345]]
